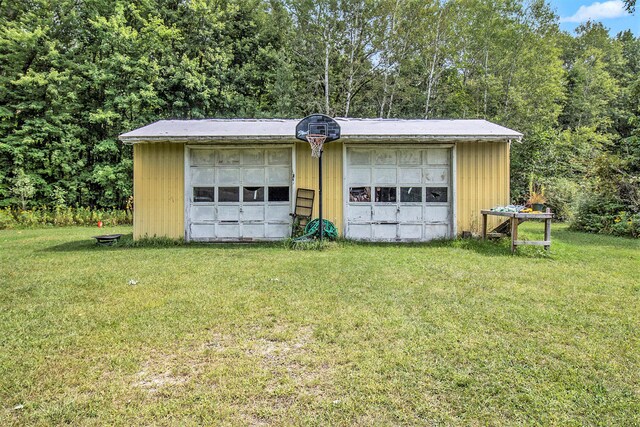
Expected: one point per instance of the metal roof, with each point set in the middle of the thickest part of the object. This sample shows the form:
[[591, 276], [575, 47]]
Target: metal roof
[[352, 129]]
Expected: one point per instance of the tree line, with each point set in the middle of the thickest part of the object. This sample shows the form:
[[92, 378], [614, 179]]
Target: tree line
[[75, 74]]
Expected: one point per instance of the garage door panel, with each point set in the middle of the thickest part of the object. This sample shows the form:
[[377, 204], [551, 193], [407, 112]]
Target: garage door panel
[[436, 231], [203, 157], [252, 157], [409, 175], [359, 231], [253, 231], [410, 231], [279, 213], [253, 213], [228, 157], [385, 213], [228, 230], [384, 231], [279, 176], [384, 175], [202, 231], [228, 213], [410, 157], [360, 157], [410, 213], [384, 157], [201, 176], [274, 230], [279, 156], [253, 176], [436, 214], [359, 213], [436, 175], [228, 176], [203, 213], [359, 176], [437, 156]]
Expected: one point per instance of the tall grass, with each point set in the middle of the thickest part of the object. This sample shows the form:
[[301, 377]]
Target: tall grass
[[63, 216]]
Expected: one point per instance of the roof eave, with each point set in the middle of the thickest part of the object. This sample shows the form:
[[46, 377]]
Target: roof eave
[[285, 139]]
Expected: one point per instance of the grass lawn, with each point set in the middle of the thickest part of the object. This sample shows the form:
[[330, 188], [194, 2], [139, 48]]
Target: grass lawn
[[448, 333]]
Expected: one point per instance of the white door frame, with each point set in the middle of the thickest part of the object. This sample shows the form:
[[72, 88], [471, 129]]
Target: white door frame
[[187, 173], [452, 167]]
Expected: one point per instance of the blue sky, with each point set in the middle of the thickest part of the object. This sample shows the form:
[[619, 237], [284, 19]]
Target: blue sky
[[610, 12]]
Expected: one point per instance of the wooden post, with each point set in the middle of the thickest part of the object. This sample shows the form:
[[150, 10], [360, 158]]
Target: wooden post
[[547, 233], [484, 226], [514, 233]]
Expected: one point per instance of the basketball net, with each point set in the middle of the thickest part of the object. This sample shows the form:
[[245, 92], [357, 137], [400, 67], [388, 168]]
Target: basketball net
[[316, 141]]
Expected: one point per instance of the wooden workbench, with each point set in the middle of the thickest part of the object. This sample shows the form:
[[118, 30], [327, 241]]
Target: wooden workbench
[[515, 219]]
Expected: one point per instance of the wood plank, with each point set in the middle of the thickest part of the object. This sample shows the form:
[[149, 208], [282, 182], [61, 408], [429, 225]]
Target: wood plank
[[507, 214], [547, 232], [484, 226], [534, 216], [532, 242], [514, 234]]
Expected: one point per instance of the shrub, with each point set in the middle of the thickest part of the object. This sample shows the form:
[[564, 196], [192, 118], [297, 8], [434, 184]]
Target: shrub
[[562, 195], [597, 214], [6, 219], [61, 216]]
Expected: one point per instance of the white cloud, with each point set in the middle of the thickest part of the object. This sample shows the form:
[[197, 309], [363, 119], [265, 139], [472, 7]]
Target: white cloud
[[597, 11]]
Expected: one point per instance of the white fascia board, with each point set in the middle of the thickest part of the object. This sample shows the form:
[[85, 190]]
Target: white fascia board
[[347, 138]]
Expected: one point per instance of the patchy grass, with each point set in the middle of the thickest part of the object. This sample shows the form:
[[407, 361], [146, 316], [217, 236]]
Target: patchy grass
[[450, 333]]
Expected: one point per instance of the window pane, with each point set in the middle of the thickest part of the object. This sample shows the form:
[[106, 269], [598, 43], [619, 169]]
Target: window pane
[[228, 194], [411, 194], [359, 194], [385, 194], [253, 194], [278, 194], [203, 194], [436, 194]]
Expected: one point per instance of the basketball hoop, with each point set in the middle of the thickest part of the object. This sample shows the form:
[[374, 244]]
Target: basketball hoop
[[316, 141]]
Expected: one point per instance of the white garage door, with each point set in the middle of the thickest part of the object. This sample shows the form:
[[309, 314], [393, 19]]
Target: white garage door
[[399, 194], [239, 194]]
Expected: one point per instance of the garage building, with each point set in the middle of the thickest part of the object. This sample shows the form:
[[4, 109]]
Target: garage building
[[384, 180]]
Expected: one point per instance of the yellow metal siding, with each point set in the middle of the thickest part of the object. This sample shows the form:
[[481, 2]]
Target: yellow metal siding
[[307, 177], [158, 190], [482, 179]]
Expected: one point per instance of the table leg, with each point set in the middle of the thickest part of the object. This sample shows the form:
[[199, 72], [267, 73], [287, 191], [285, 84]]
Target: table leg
[[547, 232], [484, 226], [514, 234]]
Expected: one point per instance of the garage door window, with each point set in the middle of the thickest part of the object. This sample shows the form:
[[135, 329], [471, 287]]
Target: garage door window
[[278, 194], [253, 194], [203, 194], [360, 194], [411, 194], [436, 194], [386, 194], [228, 194]]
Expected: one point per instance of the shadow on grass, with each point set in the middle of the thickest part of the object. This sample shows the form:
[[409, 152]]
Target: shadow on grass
[[499, 248], [126, 242]]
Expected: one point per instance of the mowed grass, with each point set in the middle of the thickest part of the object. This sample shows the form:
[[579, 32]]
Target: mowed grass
[[447, 333]]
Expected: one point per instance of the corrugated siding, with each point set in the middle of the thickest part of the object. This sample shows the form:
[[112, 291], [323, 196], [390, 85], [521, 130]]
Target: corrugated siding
[[482, 178], [158, 190], [307, 177]]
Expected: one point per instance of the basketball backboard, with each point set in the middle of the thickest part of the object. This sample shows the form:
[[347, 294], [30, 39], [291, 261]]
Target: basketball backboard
[[318, 124]]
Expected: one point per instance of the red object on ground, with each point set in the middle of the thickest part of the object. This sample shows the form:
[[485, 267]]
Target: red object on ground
[[99, 224]]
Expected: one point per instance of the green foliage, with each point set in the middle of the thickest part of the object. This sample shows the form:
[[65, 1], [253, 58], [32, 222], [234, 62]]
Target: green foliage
[[307, 245], [63, 216], [75, 75], [562, 196]]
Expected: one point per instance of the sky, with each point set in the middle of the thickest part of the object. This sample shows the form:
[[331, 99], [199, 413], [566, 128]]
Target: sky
[[610, 12]]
